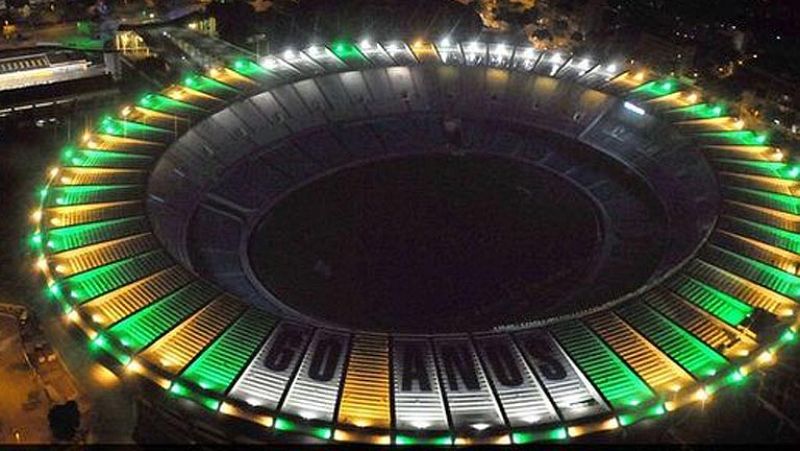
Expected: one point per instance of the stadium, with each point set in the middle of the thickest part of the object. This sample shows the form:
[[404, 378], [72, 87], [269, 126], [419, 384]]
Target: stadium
[[166, 231]]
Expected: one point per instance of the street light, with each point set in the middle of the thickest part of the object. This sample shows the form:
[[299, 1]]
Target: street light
[[257, 40]]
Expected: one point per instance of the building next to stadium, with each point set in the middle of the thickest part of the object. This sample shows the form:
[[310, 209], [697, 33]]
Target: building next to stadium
[[150, 232]]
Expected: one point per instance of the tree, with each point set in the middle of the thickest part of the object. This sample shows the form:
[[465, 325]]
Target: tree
[[235, 19], [64, 420]]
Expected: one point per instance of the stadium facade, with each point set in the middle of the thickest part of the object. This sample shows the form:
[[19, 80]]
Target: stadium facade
[[143, 227]]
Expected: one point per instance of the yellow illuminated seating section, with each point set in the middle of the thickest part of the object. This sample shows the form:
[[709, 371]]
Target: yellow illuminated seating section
[[673, 345]]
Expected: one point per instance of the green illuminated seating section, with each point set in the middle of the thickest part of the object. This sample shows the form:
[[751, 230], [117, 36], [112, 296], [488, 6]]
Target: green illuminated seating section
[[120, 304], [696, 112], [447, 440], [66, 238], [145, 326], [655, 369], [735, 138], [782, 202], [252, 71], [209, 86], [656, 88], [766, 275], [719, 304], [522, 438], [765, 253], [768, 234], [93, 283], [737, 286], [765, 168], [86, 194], [615, 380], [218, 366], [684, 348], [347, 51], [680, 312], [107, 159], [164, 104], [136, 130]]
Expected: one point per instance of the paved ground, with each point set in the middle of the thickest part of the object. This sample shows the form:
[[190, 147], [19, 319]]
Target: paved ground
[[47, 33], [26, 395], [23, 401], [24, 157], [112, 417]]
